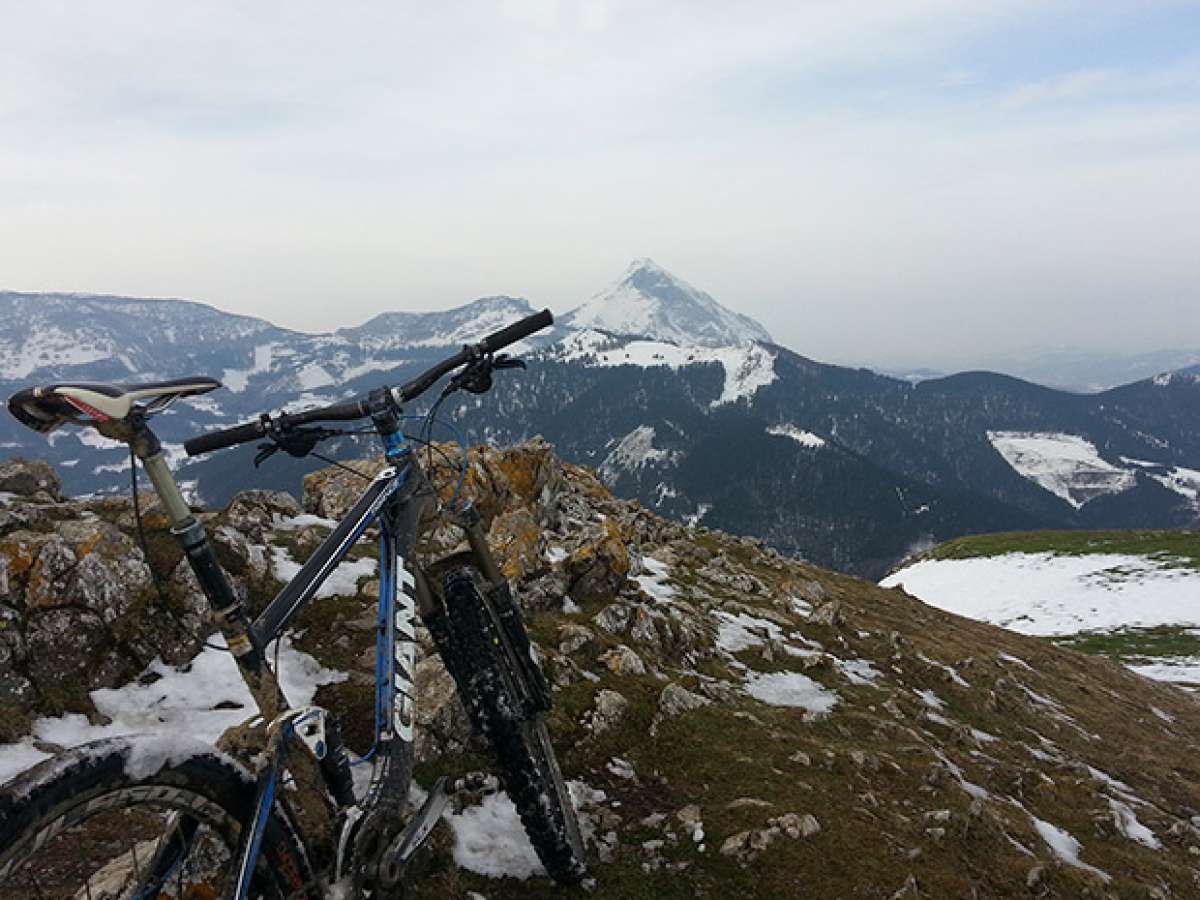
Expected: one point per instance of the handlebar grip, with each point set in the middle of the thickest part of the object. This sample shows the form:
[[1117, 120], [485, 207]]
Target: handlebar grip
[[516, 331], [347, 411], [226, 437]]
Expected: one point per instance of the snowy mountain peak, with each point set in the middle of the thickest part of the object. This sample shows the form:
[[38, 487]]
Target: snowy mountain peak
[[649, 301]]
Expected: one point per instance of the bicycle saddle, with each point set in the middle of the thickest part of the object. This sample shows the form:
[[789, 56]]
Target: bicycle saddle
[[45, 407]]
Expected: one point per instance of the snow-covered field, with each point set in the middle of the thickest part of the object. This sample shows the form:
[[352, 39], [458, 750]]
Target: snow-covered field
[[1048, 594]]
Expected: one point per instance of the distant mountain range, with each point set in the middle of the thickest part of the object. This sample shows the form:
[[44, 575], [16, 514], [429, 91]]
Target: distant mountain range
[[1078, 371], [677, 401]]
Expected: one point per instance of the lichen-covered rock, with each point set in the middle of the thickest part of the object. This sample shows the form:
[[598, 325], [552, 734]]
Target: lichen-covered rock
[[30, 478], [253, 514], [609, 709]]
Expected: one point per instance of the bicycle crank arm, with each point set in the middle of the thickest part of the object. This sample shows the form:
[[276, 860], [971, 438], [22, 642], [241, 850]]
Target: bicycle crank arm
[[394, 863]]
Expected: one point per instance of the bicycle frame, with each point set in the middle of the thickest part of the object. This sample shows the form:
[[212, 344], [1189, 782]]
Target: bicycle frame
[[397, 500]]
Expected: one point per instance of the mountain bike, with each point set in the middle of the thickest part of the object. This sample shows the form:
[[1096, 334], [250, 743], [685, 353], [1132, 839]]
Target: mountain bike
[[140, 817]]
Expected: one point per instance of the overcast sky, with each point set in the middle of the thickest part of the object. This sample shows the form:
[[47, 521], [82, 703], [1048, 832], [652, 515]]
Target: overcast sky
[[900, 181]]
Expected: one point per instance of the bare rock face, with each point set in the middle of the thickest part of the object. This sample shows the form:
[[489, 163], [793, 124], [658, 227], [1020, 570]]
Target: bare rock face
[[79, 606]]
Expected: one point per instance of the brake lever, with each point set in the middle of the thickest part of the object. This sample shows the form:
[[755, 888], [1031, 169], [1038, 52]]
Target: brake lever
[[477, 376], [298, 442], [504, 361]]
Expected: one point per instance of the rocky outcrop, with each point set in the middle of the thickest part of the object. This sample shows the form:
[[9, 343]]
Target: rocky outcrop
[[79, 606]]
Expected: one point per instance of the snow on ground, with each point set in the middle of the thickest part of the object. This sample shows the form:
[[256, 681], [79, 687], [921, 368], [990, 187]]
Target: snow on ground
[[1182, 481], [655, 580], [1065, 846], [1046, 594], [341, 582], [180, 700], [1127, 823], [1066, 465], [738, 631], [49, 346], [313, 376], [1178, 669], [304, 520], [930, 699], [790, 689], [490, 840], [858, 671], [633, 452], [1050, 595], [237, 379], [799, 435], [748, 367]]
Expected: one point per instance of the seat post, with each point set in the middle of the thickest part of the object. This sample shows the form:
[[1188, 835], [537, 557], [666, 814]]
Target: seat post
[[228, 611]]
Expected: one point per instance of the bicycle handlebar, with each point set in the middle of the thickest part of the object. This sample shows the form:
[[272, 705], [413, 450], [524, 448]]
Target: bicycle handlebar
[[351, 410]]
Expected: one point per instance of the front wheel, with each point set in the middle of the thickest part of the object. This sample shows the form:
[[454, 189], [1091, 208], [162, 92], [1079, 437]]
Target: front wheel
[[486, 679], [135, 818]]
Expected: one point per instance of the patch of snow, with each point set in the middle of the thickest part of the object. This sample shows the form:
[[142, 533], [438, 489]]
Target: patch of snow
[[1166, 717], [633, 452], [693, 519], [181, 701], [45, 347], [238, 379], [1016, 660], [739, 631], [1066, 465], [949, 670], [748, 367], [304, 520], [313, 376], [1046, 594], [94, 440], [1185, 482], [371, 365], [1127, 823], [800, 436], [341, 582], [1065, 846], [791, 689], [858, 671], [122, 466], [654, 582], [490, 840], [930, 699], [1182, 670]]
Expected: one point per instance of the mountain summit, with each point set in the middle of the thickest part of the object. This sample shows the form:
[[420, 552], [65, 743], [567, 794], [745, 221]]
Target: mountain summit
[[650, 301]]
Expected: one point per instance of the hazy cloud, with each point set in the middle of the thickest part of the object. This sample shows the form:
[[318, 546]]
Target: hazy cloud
[[880, 180]]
